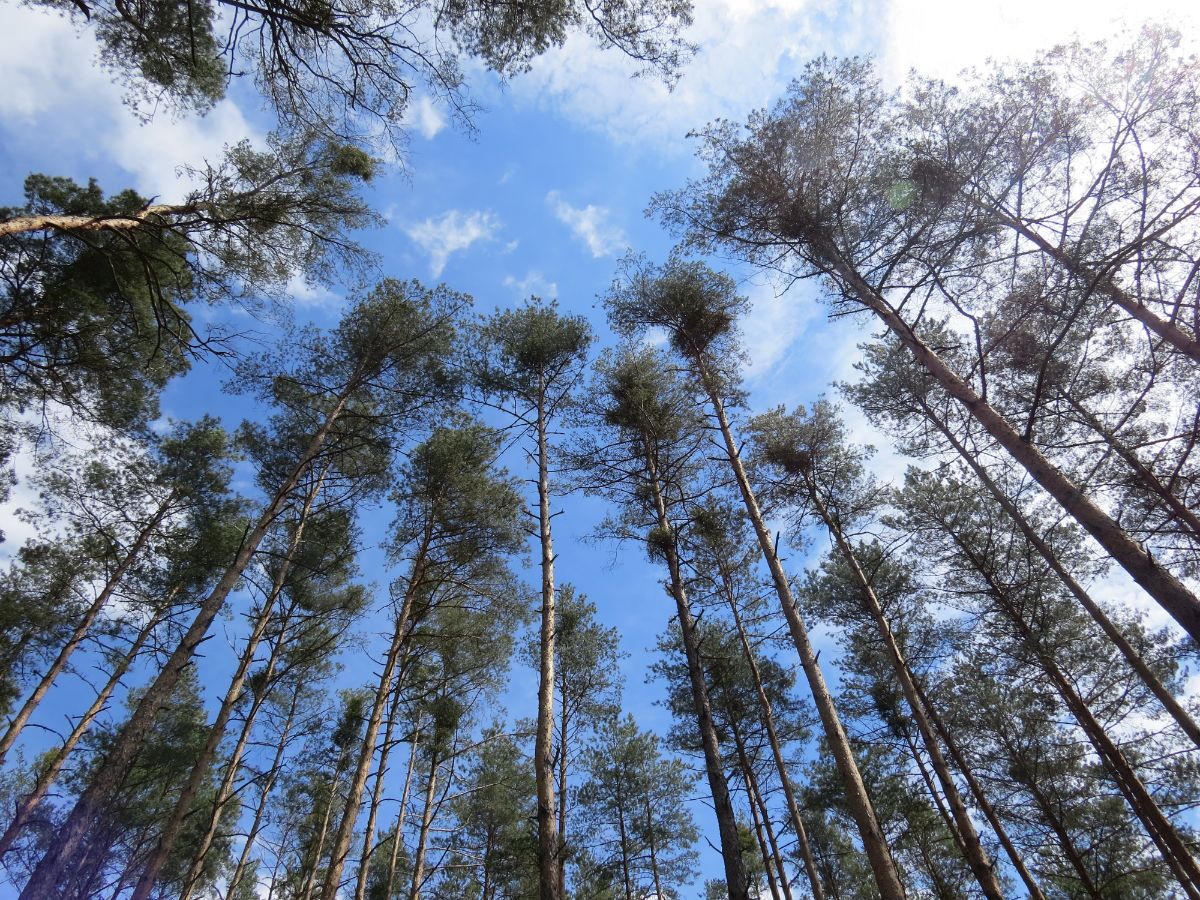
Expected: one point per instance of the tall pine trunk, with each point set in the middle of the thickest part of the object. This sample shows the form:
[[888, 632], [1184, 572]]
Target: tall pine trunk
[[768, 716], [1114, 634], [550, 875], [1167, 590], [82, 628], [882, 864], [736, 881], [61, 856], [200, 769], [976, 856]]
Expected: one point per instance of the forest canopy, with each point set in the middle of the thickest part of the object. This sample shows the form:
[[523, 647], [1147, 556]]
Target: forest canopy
[[836, 535]]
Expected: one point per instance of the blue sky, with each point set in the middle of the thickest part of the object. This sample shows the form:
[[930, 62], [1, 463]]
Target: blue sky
[[542, 198]]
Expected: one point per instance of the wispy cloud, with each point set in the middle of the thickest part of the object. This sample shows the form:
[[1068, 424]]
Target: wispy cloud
[[451, 232], [427, 118], [534, 283], [590, 223]]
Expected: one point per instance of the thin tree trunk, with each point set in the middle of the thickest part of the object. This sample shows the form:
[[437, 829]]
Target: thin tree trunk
[[981, 799], [418, 878], [310, 880], [260, 811], [764, 851], [1167, 590], [562, 790], [201, 768], [624, 852], [81, 630], [397, 843], [549, 862], [233, 764], [345, 832], [1114, 634], [48, 775], [1165, 329], [764, 703], [882, 864], [976, 856], [60, 856], [658, 891], [735, 871], [1159, 828], [1179, 510], [360, 886], [1064, 839], [755, 796]]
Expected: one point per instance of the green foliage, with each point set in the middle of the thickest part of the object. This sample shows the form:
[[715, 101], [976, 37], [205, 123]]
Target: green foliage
[[95, 322], [632, 804]]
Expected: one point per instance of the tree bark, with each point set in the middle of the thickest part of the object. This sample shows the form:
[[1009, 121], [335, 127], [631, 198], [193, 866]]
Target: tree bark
[[764, 704], [28, 805], [151, 215], [60, 856], [550, 873], [882, 865], [1167, 590], [81, 630], [736, 881], [200, 769]]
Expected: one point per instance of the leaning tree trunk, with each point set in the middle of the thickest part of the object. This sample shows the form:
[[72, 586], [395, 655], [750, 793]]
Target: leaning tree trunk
[[1158, 827], [256, 825], [1169, 331], [981, 799], [48, 775], [82, 628], [418, 877], [398, 840], [754, 795], [764, 852], [345, 832], [154, 215], [1167, 590], [200, 769], [882, 864], [764, 704], [385, 749], [1114, 634], [976, 856], [736, 881], [62, 854], [549, 852], [233, 764]]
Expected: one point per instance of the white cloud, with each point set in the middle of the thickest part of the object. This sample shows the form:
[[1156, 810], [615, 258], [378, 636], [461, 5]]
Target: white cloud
[[590, 223], [56, 95], [313, 296], [775, 323], [749, 49], [451, 232], [427, 118], [534, 283], [940, 38]]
